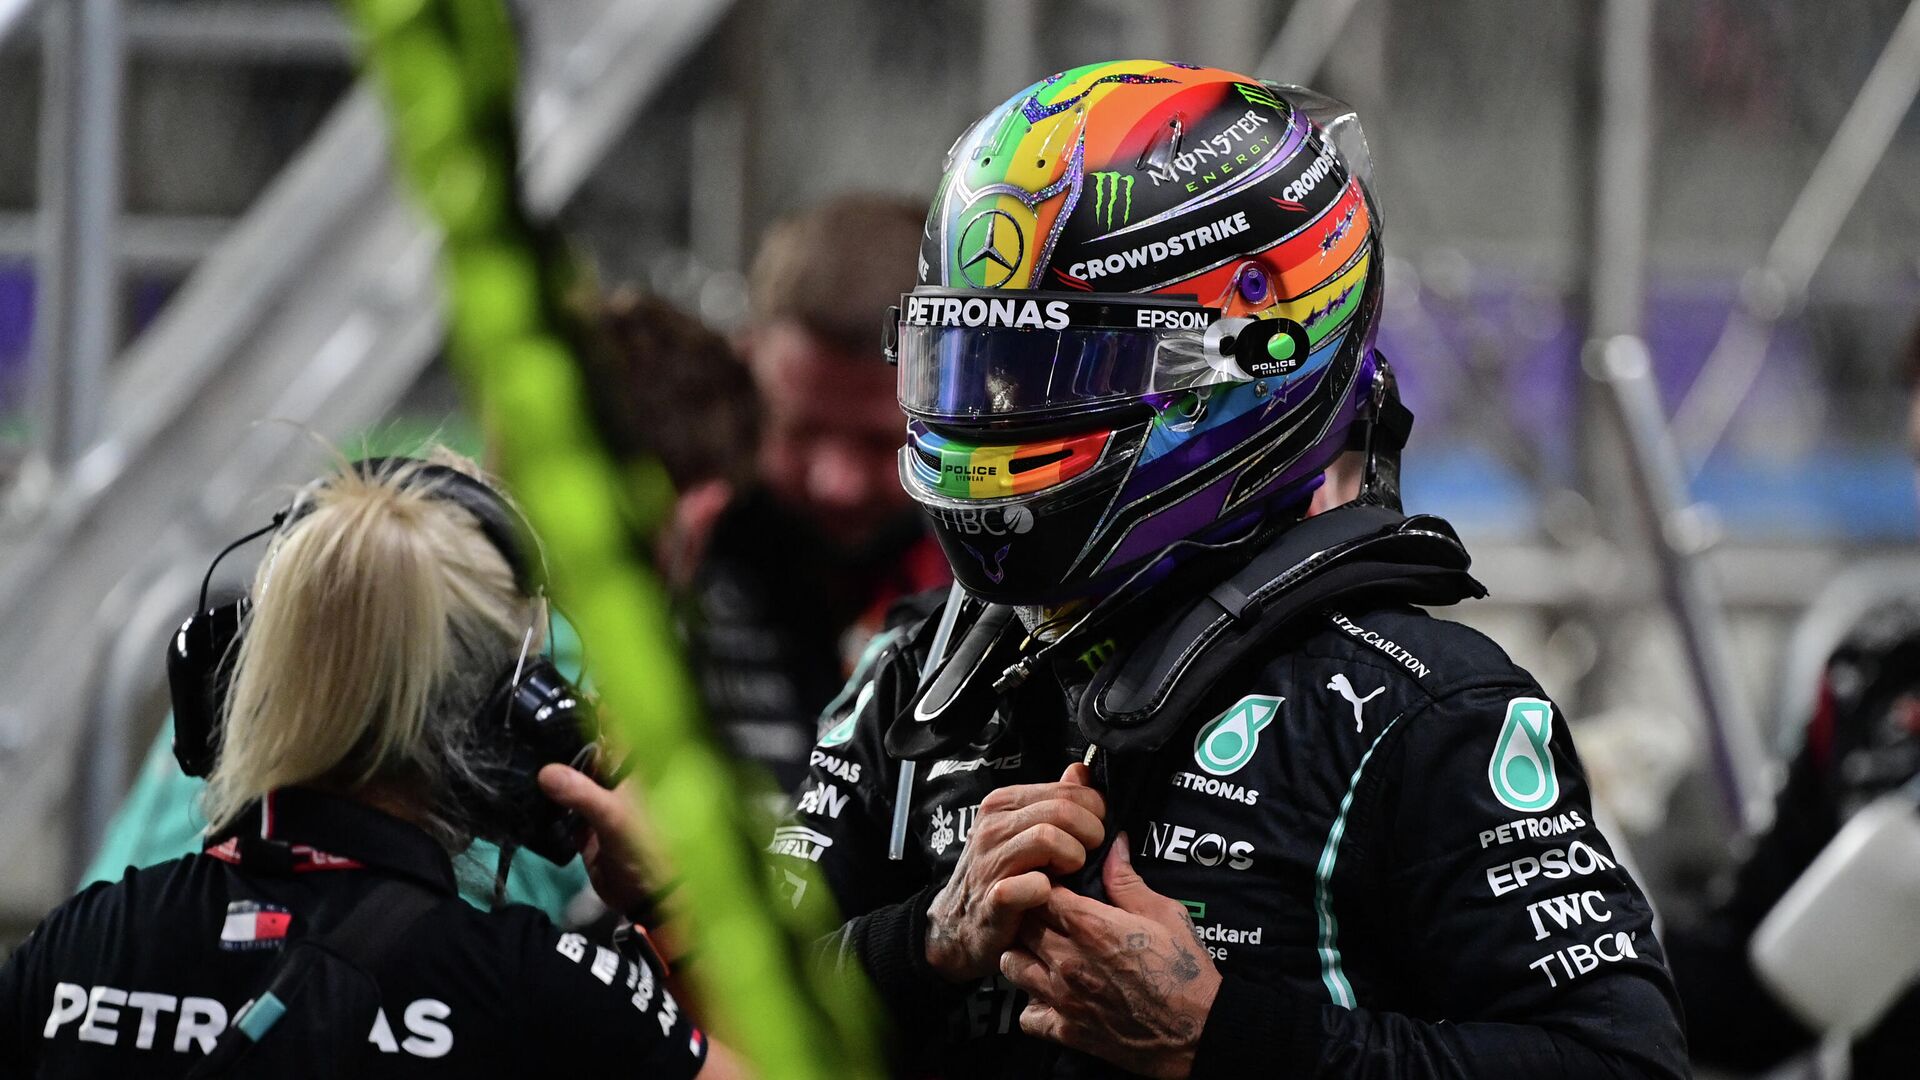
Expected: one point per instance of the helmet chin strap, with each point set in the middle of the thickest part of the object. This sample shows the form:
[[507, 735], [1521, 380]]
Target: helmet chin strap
[[1381, 432], [1047, 624]]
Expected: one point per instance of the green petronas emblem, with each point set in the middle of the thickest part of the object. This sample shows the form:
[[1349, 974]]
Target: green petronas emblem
[[1521, 771], [1110, 188], [1228, 741], [840, 733]]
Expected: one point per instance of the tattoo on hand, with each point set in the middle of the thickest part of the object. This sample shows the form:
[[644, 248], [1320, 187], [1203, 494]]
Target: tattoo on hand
[[1184, 966], [1137, 942]]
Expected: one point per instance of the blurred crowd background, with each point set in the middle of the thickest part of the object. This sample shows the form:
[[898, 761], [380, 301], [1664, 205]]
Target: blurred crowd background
[[198, 231]]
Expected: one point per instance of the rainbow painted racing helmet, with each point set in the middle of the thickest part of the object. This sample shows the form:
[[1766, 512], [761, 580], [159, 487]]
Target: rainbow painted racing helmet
[[1146, 311]]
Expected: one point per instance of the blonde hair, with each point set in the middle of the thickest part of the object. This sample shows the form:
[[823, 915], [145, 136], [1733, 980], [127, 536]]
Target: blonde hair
[[382, 617]]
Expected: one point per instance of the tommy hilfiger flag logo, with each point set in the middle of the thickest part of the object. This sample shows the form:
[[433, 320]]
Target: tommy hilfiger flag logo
[[252, 925]]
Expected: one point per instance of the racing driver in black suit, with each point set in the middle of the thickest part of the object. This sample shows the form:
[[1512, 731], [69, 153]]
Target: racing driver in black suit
[[1180, 781]]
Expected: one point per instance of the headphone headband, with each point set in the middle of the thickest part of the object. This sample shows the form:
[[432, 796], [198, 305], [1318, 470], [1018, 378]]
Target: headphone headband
[[503, 525]]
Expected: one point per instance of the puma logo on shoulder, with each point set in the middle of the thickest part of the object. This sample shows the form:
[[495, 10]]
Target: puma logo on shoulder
[[1343, 686]]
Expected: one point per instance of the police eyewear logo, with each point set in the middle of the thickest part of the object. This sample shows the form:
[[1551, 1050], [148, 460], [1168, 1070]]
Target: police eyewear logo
[[1285, 349], [1005, 521], [1228, 741], [991, 248], [1521, 770], [1109, 188]]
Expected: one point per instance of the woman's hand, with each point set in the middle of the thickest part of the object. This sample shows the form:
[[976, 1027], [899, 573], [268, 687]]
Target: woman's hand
[[612, 846]]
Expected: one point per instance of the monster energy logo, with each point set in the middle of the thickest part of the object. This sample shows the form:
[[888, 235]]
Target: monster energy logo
[[1098, 655], [1257, 95], [1108, 189]]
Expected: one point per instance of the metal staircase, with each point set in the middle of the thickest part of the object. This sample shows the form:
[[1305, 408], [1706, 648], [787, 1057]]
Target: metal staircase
[[320, 308]]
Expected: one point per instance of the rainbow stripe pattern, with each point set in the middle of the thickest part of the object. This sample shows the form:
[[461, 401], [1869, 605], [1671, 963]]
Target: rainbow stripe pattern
[[969, 470]]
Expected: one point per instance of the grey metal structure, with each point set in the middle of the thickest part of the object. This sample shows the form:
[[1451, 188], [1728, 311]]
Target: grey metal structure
[[1779, 284], [1617, 360], [319, 308], [1300, 49], [80, 213]]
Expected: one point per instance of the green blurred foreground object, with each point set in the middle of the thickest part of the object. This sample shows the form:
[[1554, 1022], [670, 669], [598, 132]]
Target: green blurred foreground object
[[448, 68]]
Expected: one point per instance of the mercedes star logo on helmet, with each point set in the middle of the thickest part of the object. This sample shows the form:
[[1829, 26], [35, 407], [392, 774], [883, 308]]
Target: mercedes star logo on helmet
[[985, 262]]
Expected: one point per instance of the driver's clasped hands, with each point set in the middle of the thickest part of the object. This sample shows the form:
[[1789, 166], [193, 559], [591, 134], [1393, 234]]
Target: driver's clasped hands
[[1127, 981], [1022, 834]]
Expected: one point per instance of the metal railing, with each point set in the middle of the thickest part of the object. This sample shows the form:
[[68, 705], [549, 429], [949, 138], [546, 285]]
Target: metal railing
[[320, 307]]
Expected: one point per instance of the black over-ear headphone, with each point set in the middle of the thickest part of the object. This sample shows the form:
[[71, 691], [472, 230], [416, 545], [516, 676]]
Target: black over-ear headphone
[[533, 715]]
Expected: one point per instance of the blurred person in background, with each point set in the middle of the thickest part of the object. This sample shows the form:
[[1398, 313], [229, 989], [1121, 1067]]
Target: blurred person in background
[[382, 706], [667, 388], [1304, 828], [1862, 742], [801, 566]]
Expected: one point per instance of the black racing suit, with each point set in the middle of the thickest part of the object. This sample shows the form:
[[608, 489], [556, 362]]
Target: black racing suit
[[1863, 742], [1357, 819]]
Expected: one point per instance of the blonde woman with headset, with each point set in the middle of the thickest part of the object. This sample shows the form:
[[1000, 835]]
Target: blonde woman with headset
[[378, 702]]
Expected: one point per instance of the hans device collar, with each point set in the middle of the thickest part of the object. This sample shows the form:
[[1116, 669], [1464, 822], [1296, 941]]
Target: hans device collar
[[532, 717], [1140, 697]]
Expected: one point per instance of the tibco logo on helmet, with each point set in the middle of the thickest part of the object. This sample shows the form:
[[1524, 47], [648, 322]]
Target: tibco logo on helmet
[[1077, 396], [1008, 521]]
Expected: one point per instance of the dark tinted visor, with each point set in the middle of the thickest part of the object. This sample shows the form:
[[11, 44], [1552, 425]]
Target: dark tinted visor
[[972, 356]]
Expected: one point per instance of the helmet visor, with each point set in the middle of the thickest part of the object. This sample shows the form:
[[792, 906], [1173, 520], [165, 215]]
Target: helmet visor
[[977, 356]]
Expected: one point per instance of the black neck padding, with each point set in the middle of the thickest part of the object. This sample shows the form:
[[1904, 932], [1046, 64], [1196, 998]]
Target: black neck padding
[[1149, 689]]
